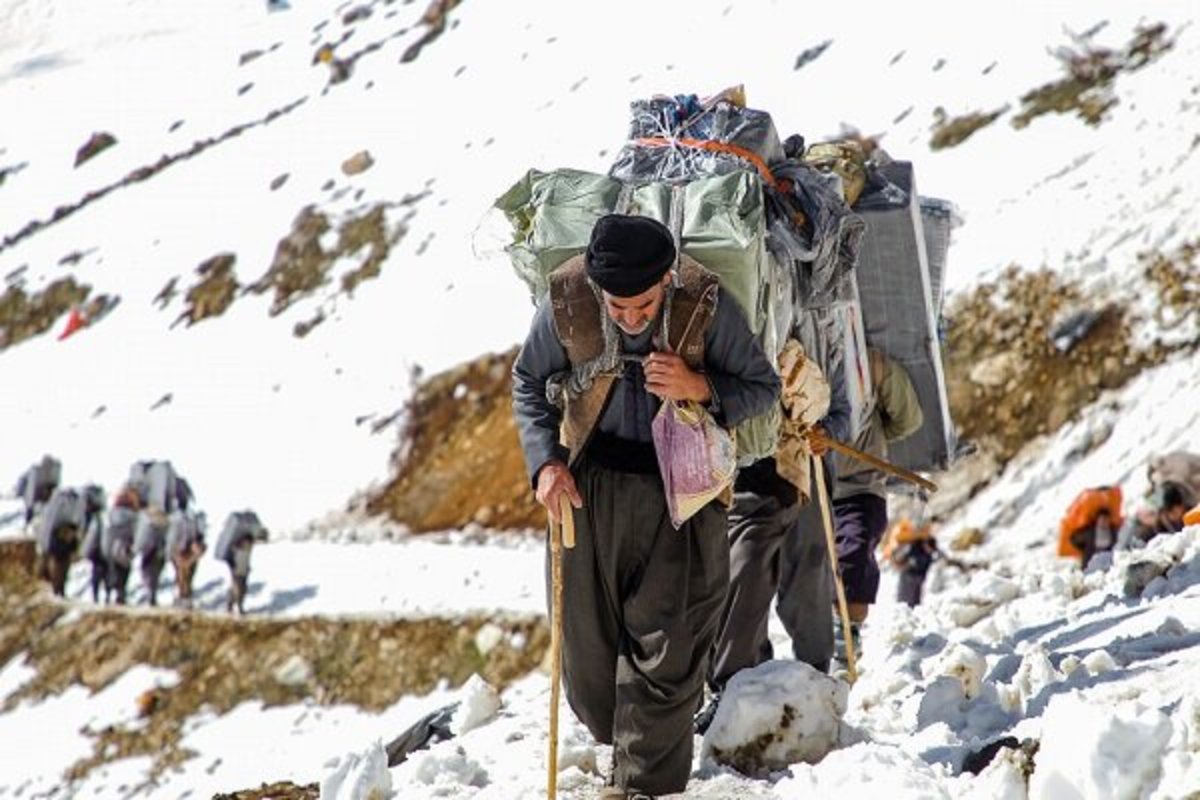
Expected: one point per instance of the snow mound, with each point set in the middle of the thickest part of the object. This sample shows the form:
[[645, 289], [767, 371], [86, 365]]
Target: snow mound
[[869, 770], [1099, 751], [778, 713], [478, 704], [359, 776]]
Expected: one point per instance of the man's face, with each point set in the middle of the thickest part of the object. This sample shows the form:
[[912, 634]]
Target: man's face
[[634, 314], [1175, 514]]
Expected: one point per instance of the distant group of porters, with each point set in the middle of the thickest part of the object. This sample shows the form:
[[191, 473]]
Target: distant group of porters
[[153, 519]]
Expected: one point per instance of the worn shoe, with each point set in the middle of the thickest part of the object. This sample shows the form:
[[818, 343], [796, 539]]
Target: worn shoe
[[614, 793], [704, 717], [840, 662]]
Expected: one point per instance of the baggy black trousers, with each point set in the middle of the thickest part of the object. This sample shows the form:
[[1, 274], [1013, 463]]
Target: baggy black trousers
[[640, 611]]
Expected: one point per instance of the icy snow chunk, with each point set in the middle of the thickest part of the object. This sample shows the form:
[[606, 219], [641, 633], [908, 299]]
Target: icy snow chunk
[[359, 776], [1069, 664], [1002, 779], [1099, 661], [1181, 766], [1035, 673], [943, 701], [487, 637], [448, 765], [986, 591], [296, 671], [961, 662], [779, 713], [1098, 751], [478, 704]]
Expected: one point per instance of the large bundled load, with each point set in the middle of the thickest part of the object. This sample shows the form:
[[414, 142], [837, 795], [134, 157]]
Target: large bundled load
[[150, 534], [159, 486], [239, 526], [62, 522], [716, 174], [818, 243], [900, 276], [116, 540], [37, 484]]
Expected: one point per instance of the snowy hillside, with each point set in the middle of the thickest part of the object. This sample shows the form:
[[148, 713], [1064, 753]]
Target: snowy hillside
[[272, 379]]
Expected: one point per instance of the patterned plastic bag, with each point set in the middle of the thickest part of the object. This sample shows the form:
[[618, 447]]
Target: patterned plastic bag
[[696, 457]]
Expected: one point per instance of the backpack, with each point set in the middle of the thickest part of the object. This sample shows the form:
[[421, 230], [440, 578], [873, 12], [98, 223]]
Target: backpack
[[156, 484], [899, 280], [65, 510], [239, 526], [183, 530], [150, 533], [1082, 514], [709, 171], [116, 541]]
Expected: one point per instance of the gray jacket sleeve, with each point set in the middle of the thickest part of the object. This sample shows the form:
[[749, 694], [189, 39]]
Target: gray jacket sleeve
[[743, 381], [541, 357], [837, 419]]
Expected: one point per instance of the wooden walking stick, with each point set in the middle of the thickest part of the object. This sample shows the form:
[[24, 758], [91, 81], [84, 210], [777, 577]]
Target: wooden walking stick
[[561, 535], [879, 463], [843, 608]]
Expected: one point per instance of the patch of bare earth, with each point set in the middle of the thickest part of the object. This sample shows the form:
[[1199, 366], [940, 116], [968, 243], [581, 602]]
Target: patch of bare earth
[[459, 459]]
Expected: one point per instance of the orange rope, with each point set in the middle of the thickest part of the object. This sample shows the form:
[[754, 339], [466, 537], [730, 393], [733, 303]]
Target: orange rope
[[717, 147]]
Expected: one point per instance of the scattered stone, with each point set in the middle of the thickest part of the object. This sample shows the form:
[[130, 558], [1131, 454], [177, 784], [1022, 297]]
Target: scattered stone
[[1139, 575], [215, 291], [249, 56], [245, 88], [355, 14], [977, 760], [167, 293], [295, 672], [1087, 89], [279, 181], [358, 163], [162, 401], [98, 143], [951, 132], [23, 316], [176, 125], [811, 54]]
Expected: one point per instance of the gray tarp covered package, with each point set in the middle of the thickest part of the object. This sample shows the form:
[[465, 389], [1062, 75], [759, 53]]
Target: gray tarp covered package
[[116, 541], [894, 287], [238, 526], [938, 219], [40, 479], [66, 507], [150, 534], [155, 482], [91, 547], [183, 529], [686, 118]]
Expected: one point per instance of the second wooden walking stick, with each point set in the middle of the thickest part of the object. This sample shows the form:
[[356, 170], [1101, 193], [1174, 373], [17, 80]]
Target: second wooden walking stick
[[843, 608], [561, 535]]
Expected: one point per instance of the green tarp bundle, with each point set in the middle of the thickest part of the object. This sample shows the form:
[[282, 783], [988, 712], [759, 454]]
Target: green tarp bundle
[[722, 224]]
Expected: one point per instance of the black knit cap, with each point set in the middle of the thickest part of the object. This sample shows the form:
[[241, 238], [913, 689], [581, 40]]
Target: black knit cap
[[627, 255]]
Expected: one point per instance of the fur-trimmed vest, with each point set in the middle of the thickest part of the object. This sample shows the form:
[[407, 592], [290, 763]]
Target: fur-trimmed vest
[[581, 324]]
